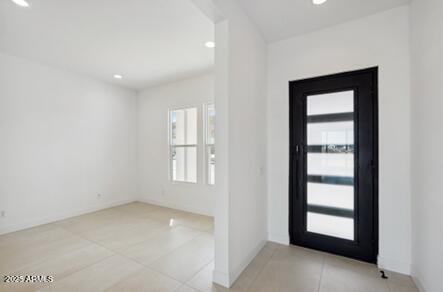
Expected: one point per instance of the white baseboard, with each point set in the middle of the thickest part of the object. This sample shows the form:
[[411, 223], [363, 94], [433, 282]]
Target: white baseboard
[[419, 284], [394, 265], [221, 278], [226, 280], [278, 238], [60, 216], [238, 270], [174, 206], [383, 262], [416, 278]]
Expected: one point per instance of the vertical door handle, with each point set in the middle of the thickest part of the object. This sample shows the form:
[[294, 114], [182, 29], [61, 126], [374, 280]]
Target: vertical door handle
[[297, 179], [296, 151]]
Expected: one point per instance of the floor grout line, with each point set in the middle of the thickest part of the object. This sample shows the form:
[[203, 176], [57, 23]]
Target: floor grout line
[[193, 276], [200, 233], [72, 242], [169, 276], [260, 271], [45, 260], [114, 252], [321, 273], [167, 253]]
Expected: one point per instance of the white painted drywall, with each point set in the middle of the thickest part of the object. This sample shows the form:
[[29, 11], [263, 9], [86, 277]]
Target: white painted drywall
[[240, 221], [379, 40], [153, 150], [63, 140], [427, 142], [221, 207]]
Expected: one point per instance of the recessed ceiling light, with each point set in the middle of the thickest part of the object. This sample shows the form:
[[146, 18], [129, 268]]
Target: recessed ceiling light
[[21, 3], [117, 76], [210, 44], [319, 2]]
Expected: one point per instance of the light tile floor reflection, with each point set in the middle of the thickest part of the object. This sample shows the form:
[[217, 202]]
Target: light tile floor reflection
[[137, 247]]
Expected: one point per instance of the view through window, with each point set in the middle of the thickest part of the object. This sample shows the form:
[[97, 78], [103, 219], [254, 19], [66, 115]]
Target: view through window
[[210, 143], [183, 145]]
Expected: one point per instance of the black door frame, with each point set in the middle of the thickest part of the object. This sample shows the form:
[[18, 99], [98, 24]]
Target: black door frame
[[297, 191]]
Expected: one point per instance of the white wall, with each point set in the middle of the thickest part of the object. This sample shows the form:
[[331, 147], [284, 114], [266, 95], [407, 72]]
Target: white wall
[[379, 40], [153, 150], [240, 222], [427, 143], [64, 139], [221, 204]]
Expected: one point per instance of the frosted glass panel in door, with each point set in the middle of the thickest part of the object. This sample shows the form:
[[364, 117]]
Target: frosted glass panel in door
[[330, 164], [337, 196], [331, 225], [336, 102], [333, 133]]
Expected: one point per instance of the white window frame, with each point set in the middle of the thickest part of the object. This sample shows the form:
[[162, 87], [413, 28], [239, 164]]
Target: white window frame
[[171, 146], [205, 142]]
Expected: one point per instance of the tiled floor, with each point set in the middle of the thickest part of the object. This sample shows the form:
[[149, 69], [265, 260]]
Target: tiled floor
[[137, 247]]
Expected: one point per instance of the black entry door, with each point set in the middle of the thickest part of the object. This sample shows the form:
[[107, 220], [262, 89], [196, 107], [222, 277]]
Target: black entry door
[[333, 191]]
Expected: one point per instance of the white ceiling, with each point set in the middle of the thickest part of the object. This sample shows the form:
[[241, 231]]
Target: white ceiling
[[280, 19], [146, 41]]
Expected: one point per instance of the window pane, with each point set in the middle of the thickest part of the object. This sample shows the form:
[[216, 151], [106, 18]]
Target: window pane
[[210, 144], [178, 127], [173, 127], [210, 135], [331, 164], [191, 164], [331, 225], [178, 164], [337, 196], [341, 133], [184, 164], [210, 154], [337, 102], [191, 126], [184, 126]]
